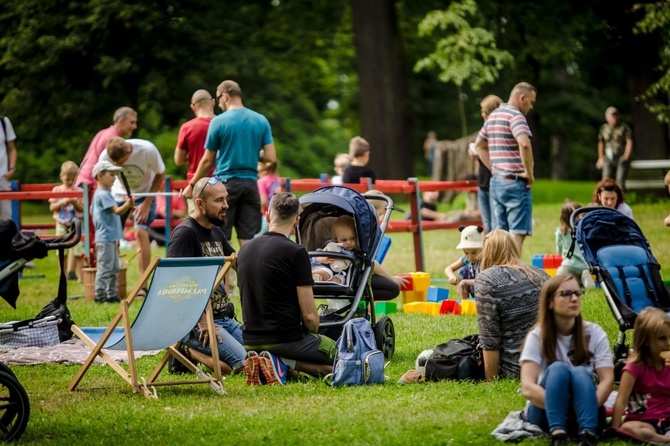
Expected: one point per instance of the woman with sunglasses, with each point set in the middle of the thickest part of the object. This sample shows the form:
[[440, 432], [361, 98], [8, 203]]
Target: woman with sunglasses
[[566, 366]]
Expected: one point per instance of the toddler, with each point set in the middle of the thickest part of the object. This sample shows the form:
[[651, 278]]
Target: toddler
[[108, 231], [575, 266], [472, 239], [64, 212], [269, 183], [645, 383], [341, 162], [327, 269]]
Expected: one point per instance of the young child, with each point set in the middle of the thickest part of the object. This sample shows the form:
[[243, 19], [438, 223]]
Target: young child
[[269, 184], [359, 152], [330, 269], [472, 239], [645, 383], [108, 231], [575, 266], [64, 211], [341, 162]]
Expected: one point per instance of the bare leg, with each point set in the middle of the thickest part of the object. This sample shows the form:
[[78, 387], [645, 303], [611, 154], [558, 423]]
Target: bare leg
[[242, 241], [518, 239], [645, 431], [317, 370], [71, 261], [144, 258]]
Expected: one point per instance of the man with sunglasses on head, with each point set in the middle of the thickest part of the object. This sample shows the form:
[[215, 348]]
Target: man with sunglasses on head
[[200, 235], [233, 144]]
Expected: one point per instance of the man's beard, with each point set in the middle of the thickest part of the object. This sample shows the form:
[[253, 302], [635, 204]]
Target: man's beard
[[215, 220]]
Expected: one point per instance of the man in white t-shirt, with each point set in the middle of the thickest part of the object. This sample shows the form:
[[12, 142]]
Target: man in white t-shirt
[[144, 169], [7, 163]]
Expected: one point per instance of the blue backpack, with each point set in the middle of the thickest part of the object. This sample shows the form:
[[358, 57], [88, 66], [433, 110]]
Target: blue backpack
[[358, 361]]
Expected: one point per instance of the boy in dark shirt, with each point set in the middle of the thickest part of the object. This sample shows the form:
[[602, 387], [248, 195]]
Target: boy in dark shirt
[[359, 152]]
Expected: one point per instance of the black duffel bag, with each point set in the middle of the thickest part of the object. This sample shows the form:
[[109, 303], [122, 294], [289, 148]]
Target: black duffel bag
[[458, 359]]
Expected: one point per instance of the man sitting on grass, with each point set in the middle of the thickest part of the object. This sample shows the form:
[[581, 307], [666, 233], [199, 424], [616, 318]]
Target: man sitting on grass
[[278, 309]]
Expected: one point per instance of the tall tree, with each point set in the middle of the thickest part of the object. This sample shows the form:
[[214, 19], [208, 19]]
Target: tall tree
[[466, 53], [385, 107]]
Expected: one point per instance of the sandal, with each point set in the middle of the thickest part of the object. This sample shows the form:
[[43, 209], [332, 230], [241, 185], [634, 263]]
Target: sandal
[[142, 293]]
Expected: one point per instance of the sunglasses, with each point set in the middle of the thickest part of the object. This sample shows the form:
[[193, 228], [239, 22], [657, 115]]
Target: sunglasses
[[218, 97], [567, 294], [212, 181]]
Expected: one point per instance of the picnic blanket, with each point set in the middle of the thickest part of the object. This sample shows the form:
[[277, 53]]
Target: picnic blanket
[[515, 428], [73, 351]]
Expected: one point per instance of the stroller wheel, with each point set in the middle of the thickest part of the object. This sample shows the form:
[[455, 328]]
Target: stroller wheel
[[5, 368], [385, 336], [14, 408]]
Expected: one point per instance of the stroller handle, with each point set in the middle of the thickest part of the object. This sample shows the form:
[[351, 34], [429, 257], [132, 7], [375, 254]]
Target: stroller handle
[[583, 210], [68, 240]]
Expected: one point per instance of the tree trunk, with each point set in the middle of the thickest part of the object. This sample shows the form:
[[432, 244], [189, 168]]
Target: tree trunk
[[385, 107], [559, 158], [461, 111]]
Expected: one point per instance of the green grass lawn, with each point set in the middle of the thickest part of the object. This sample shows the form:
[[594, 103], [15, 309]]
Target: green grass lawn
[[104, 411]]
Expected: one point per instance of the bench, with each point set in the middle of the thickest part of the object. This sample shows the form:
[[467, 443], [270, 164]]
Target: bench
[[647, 174]]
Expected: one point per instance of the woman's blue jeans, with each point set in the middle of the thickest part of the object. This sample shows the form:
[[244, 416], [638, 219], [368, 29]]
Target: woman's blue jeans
[[565, 388]]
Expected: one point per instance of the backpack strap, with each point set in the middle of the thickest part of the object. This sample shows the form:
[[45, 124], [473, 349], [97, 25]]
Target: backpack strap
[[626, 290], [650, 290]]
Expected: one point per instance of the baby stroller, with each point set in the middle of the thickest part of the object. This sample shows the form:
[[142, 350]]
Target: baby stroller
[[620, 257], [49, 327], [319, 210]]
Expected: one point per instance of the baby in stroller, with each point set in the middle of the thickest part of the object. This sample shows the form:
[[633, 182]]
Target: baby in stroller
[[327, 269]]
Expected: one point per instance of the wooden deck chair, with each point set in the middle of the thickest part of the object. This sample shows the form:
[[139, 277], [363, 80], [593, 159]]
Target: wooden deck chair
[[179, 292]]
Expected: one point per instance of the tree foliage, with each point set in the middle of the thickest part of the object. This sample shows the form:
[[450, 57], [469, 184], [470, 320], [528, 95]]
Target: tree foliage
[[65, 66], [657, 19]]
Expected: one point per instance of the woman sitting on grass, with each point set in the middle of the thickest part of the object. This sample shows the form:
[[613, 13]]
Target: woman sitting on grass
[[560, 358], [507, 292]]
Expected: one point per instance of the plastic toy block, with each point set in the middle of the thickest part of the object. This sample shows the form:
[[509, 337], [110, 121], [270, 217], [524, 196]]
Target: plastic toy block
[[450, 307], [468, 306], [421, 281], [410, 280], [384, 246], [382, 308], [430, 308], [558, 260], [551, 272], [412, 307], [538, 260], [413, 296], [547, 261], [436, 294]]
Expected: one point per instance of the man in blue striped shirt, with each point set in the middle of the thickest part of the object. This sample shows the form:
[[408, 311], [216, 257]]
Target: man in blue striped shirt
[[504, 146]]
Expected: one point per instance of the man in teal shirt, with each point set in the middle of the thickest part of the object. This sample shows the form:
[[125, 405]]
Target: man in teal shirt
[[233, 144]]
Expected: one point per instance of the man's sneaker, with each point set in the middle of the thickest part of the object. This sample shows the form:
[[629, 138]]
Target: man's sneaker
[[252, 368], [273, 368], [71, 275]]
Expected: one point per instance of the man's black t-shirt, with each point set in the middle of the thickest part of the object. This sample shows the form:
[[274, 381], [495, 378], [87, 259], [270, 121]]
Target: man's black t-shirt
[[269, 269], [353, 174], [190, 239]]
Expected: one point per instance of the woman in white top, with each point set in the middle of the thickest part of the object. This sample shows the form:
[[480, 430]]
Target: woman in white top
[[560, 358]]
